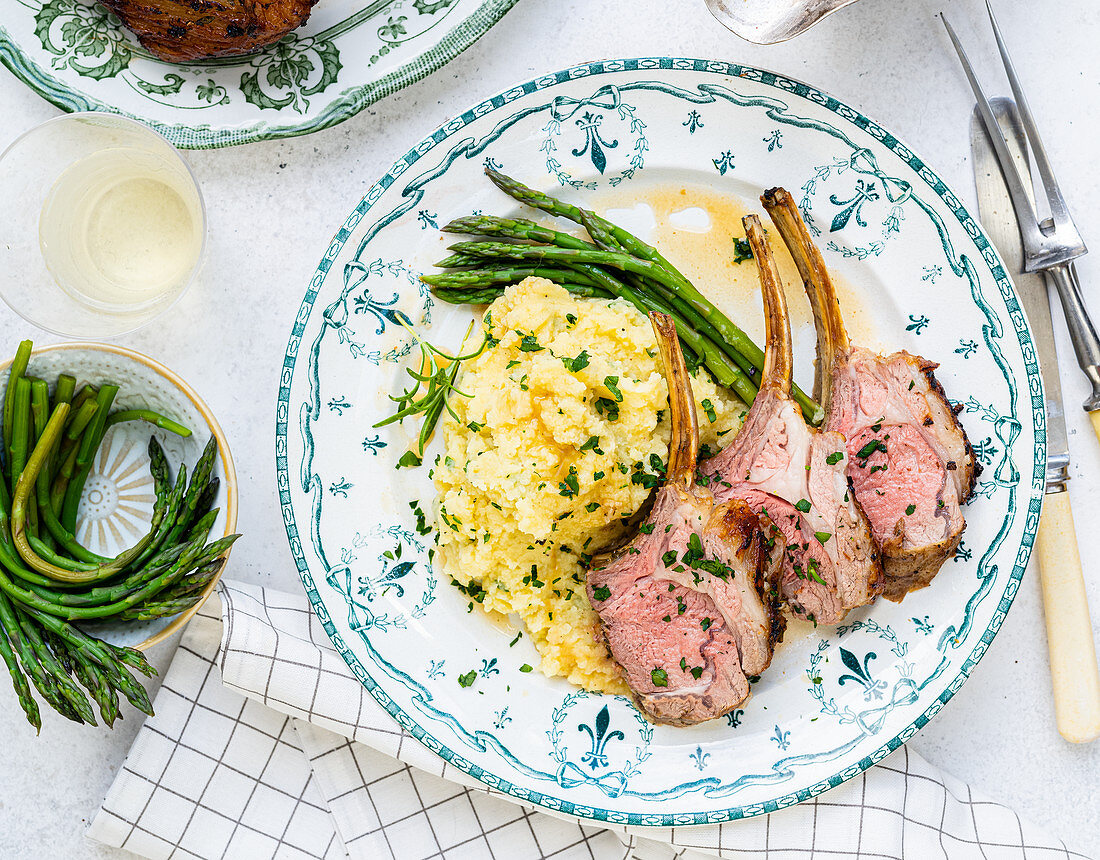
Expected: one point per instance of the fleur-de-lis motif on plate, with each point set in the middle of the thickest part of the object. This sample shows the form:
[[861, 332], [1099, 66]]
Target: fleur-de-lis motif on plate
[[600, 738], [500, 718], [427, 219], [781, 738], [338, 404], [917, 324], [340, 488], [435, 670], [724, 162], [385, 311], [489, 667], [594, 144], [853, 206], [373, 444], [773, 140], [693, 122], [923, 625], [699, 757], [966, 348], [733, 718], [962, 552], [393, 569], [861, 674], [931, 273], [985, 450]]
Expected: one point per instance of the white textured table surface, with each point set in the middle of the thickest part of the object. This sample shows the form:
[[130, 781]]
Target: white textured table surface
[[274, 206]]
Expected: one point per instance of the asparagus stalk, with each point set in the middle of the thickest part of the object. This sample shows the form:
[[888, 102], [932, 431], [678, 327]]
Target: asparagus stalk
[[615, 240]]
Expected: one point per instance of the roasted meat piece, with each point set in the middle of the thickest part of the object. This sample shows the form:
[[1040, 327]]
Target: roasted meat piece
[[685, 608], [794, 477], [181, 30], [908, 457]]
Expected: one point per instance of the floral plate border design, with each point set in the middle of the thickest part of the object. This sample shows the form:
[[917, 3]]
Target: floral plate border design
[[713, 81], [79, 57]]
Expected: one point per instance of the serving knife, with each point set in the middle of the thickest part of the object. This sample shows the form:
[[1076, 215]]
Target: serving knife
[[1073, 667]]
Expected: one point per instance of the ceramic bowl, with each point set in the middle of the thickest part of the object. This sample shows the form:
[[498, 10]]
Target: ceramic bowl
[[118, 497]]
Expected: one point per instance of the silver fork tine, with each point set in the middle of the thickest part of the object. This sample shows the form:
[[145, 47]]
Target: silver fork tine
[[1058, 209], [1025, 212]]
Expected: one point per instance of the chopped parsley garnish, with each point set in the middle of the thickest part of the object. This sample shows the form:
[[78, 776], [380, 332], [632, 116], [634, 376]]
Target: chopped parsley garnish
[[514, 641], [611, 383], [909, 510], [467, 679], [647, 529], [708, 407], [870, 448], [570, 486], [511, 364], [597, 475], [473, 425], [525, 668], [659, 677], [822, 536], [601, 593], [591, 506], [811, 568], [802, 505], [607, 407], [834, 458], [696, 672], [571, 319], [593, 444], [683, 664], [408, 459], [705, 623], [742, 250], [669, 558], [528, 343], [580, 362]]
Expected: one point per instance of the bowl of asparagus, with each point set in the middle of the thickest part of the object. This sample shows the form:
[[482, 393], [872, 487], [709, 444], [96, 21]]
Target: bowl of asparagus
[[118, 506]]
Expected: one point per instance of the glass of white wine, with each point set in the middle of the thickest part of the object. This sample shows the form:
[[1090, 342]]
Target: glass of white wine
[[105, 225]]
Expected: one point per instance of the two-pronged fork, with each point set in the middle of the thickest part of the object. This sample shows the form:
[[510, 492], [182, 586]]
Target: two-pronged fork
[[1049, 246]]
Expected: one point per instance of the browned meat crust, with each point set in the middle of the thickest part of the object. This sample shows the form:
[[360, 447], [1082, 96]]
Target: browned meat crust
[[181, 30], [686, 608], [915, 512], [822, 551]]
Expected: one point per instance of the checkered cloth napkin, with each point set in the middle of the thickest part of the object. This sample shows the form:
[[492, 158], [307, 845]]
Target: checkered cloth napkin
[[265, 745]]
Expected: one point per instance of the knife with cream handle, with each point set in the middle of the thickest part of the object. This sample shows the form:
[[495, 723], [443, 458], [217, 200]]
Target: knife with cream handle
[[1069, 629]]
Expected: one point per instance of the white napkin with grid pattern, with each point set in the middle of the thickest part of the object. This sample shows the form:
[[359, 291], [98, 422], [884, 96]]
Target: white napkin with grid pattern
[[269, 747]]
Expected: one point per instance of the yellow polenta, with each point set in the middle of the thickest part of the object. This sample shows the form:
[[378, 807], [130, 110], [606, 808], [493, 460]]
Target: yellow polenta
[[560, 441]]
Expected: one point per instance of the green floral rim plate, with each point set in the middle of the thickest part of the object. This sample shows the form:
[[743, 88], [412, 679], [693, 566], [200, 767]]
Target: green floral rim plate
[[351, 53], [836, 699]]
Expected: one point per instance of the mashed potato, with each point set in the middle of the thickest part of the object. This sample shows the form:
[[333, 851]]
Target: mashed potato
[[561, 440]]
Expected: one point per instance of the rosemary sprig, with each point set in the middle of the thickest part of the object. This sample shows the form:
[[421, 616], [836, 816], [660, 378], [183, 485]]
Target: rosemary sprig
[[438, 372]]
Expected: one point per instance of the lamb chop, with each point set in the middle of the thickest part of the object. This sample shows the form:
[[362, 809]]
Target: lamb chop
[[793, 476], [685, 608], [909, 460], [181, 30]]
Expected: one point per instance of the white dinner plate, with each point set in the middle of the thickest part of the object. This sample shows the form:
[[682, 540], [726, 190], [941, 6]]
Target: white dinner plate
[[349, 54], [835, 700]]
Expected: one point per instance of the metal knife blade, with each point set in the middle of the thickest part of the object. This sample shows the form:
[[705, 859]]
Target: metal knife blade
[[999, 220]]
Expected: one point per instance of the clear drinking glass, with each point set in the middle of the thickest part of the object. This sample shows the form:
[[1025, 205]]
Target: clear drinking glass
[[105, 225]]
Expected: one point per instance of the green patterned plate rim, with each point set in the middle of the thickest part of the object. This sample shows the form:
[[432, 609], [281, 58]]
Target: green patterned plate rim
[[600, 125], [350, 54]]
